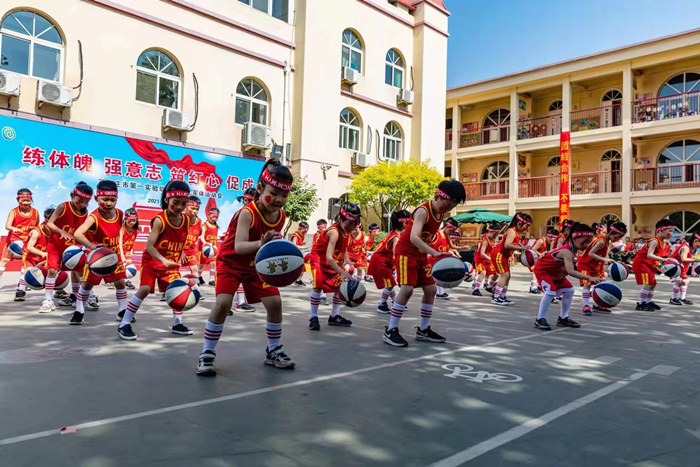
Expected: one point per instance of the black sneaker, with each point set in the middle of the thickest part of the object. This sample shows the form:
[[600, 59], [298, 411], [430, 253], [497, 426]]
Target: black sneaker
[[444, 295], [162, 297], [182, 330], [19, 295], [686, 302], [130, 286], [205, 366], [300, 283], [653, 306], [587, 310], [212, 283], [556, 300], [567, 322], [59, 294], [477, 292], [643, 307], [383, 308], [120, 316], [392, 337], [428, 335], [244, 307], [314, 325], [489, 289], [201, 280], [535, 290], [277, 358], [76, 319], [68, 301], [369, 279], [338, 320], [676, 301], [126, 333], [542, 324], [601, 309]]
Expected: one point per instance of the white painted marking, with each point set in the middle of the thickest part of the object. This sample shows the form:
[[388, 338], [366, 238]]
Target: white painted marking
[[605, 360], [695, 433], [568, 339], [467, 371], [555, 352], [663, 370]]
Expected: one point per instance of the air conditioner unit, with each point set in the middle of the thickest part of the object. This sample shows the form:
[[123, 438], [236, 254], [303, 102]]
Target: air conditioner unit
[[176, 120], [405, 96], [256, 135], [350, 75], [360, 160], [54, 93], [9, 83]]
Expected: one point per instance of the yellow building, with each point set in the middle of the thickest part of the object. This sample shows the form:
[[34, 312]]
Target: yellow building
[[634, 117]]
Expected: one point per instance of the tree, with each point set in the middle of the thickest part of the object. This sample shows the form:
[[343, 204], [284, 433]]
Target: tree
[[301, 203], [388, 187]]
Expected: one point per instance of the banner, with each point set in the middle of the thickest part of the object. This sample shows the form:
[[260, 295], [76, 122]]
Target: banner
[[564, 176]]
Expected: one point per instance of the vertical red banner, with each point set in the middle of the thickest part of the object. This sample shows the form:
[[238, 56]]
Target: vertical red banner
[[564, 176]]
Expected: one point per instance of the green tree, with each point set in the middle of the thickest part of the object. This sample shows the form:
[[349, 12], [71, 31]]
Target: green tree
[[301, 203]]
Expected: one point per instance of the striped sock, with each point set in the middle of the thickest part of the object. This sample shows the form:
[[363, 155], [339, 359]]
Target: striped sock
[[397, 311], [492, 284], [75, 287], [586, 295], [533, 284], [315, 301], [476, 285], [650, 295], [131, 308], [643, 296], [241, 295], [684, 290], [49, 285], [504, 291], [498, 291], [212, 333], [426, 312], [177, 317], [83, 295], [274, 334], [675, 292], [335, 310], [392, 295], [212, 272], [122, 295], [22, 285], [385, 296]]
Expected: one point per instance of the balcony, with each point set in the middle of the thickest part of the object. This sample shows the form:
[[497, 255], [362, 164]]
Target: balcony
[[586, 183], [662, 108], [448, 140], [537, 127], [485, 135], [666, 177], [599, 117], [492, 189]]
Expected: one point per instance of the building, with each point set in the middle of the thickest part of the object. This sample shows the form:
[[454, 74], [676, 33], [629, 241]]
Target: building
[[634, 117]]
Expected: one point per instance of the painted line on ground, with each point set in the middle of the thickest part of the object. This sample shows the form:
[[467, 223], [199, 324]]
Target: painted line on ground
[[555, 352]]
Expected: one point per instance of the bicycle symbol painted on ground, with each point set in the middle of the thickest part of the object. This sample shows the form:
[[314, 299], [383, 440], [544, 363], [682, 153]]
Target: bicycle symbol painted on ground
[[460, 370]]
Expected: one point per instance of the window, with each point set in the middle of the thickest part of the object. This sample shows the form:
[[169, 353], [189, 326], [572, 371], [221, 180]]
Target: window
[[31, 45], [393, 69], [686, 222], [349, 130], [556, 106], [609, 219], [497, 117], [679, 162], [552, 223], [684, 82], [496, 171], [611, 155], [553, 162], [392, 141], [251, 102], [612, 97], [351, 51], [158, 79], [277, 8]]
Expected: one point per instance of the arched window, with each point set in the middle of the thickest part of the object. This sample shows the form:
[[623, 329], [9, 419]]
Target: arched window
[[609, 219], [31, 45], [349, 130], [393, 69], [679, 84], [158, 79], [496, 127], [556, 106], [680, 158], [611, 155], [612, 97], [351, 50], [497, 117], [686, 222], [251, 102], [392, 141], [553, 162], [496, 171], [552, 223]]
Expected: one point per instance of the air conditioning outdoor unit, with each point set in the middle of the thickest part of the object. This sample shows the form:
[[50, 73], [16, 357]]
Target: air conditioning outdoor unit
[[405, 96], [360, 160], [256, 135], [176, 120], [350, 75], [54, 93], [9, 83]]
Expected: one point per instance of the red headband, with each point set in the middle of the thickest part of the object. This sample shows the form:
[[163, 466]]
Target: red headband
[[106, 193], [81, 193], [24, 195], [129, 218], [666, 227], [277, 183], [441, 194], [214, 210], [177, 194], [616, 230], [404, 219], [697, 236], [248, 196], [347, 215], [581, 234], [493, 230], [193, 203], [521, 219], [376, 229]]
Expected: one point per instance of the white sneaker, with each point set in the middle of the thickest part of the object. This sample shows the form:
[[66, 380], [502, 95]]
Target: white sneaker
[[47, 306], [92, 304]]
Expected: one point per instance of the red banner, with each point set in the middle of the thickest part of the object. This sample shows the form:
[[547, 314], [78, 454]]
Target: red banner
[[564, 176]]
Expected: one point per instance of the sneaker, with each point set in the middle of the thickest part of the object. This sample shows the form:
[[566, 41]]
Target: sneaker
[[556, 300], [162, 297], [383, 308], [244, 307], [230, 312], [496, 300], [477, 292], [299, 283], [567, 322], [182, 330], [601, 309], [277, 358], [205, 366], [59, 294], [392, 337], [428, 335], [68, 301], [542, 324], [126, 333], [502, 300], [130, 286], [489, 289], [686, 302], [76, 319], [535, 290], [654, 306], [120, 316], [92, 304], [587, 310], [338, 320], [324, 300], [314, 325], [47, 306], [643, 307], [676, 301], [212, 283], [369, 279], [444, 295], [201, 280], [19, 295]]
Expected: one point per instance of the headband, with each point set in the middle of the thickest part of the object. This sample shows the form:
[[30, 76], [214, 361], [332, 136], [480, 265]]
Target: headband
[[697, 236], [128, 218], [522, 219], [82, 194], [601, 228], [24, 195], [441, 194], [347, 215], [616, 230], [193, 203], [552, 235], [665, 227], [376, 229], [213, 210], [581, 234], [177, 194], [493, 229], [403, 220], [275, 182], [106, 193]]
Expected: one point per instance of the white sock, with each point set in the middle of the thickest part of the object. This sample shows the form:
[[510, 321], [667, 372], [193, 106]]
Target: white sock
[[335, 310], [676, 291], [426, 312], [544, 304], [49, 285], [567, 296], [385, 296], [212, 333], [131, 308], [315, 301], [122, 297], [397, 310], [586, 296], [177, 317], [684, 290], [83, 295], [440, 291], [274, 334]]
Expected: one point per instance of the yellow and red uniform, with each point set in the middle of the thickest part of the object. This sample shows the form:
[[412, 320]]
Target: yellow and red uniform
[[356, 251], [30, 259], [644, 268], [589, 266], [541, 250], [442, 244], [68, 221], [381, 264], [551, 271], [677, 256], [192, 244], [412, 266], [106, 232], [170, 243], [482, 264], [323, 276], [24, 222], [369, 244], [298, 239], [500, 255], [128, 240], [211, 235]]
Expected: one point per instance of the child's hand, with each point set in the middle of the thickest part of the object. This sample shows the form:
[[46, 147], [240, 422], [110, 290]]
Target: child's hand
[[269, 235], [596, 280], [95, 246], [438, 254], [65, 235], [346, 276], [169, 264]]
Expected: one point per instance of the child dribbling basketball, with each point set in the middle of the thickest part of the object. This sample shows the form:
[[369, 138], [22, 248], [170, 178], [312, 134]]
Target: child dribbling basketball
[[20, 221], [127, 238], [192, 252], [484, 263], [381, 264], [210, 235], [502, 252], [645, 262]]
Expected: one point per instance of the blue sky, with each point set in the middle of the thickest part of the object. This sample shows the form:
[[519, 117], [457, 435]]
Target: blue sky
[[498, 37]]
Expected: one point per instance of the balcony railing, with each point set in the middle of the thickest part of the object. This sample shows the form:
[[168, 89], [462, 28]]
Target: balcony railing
[[492, 189], [533, 187], [538, 127], [667, 176], [485, 135], [448, 140], [581, 184], [599, 117], [662, 108]]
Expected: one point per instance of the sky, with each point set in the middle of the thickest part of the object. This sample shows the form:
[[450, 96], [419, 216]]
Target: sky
[[493, 38]]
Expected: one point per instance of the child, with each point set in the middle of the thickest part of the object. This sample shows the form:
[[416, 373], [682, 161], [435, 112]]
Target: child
[[682, 255], [552, 236], [127, 237], [551, 271], [327, 256], [34, 253], [241, 304], [370, 244], [594, 258], [210, 235], [321, 226], [443, 244], [644, 264], [566, 225], [20, 221], [540, 247], [412, 268], [483, 261], [102, 228], [69, 216], [191, 252], [161, 260], [356, 252], [251, 227], [381, 264], [502, 252], [299, 239]]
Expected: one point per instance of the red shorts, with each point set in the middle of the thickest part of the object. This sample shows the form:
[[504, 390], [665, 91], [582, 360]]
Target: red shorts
[[359, 261], [596, 270], [150, 275], [501, 263], [55, 258], [191, 257], [31, 260], [6, 252], [228, 278], [552, 284], [382, 272], [323, 276], [486, 266], [644, 275], [413, 271], [94, 279]]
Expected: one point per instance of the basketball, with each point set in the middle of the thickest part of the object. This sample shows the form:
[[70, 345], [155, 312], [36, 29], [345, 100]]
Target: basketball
[[618, 271], [352, 293], [73, 257], [671, 268], [62, 280], [182, 294], [130, 270], [102, 261], [607, 294], [617, 247], [468, 269], [34, 277], [468, 277], [15, 249], [528, 258], [448, 272], [209, 251], [279, 263]]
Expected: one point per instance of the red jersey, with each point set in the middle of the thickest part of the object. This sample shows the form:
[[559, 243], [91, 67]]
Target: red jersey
[[369, 243], [297, 239], [441, 244], [641, 258], [405, 247], [383, 251], [258, 227], [195, 231], [477, 254], [551, 266], [211, 233], [25, 222], [542, 247], [501, 247], [170, 242], [106, 231], [316, 236], [319, 248], [68, 221], [128, 240], [677, 256], [589, 264], [356, 246], [41, 243]]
